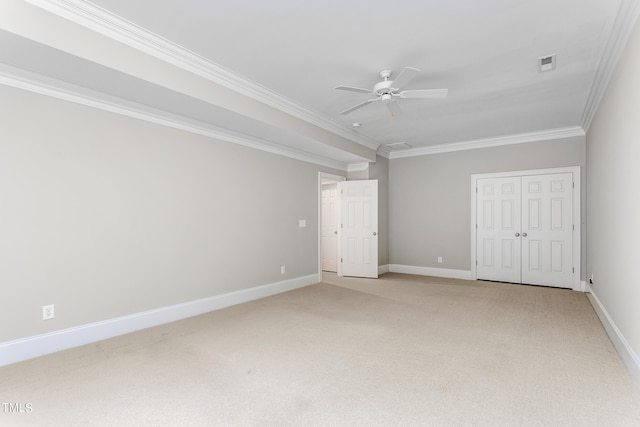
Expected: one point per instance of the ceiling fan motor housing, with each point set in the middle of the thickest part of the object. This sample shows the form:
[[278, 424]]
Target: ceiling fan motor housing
[[383, 87]]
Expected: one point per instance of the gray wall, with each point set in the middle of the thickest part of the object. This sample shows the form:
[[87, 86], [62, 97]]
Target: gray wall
[[613, 205], [430, 197], [104, 215]]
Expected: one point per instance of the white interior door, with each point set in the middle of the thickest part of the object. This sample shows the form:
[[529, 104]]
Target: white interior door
[[547, 229], [524, 229], [498, 229], [358, 228], [329, 229]]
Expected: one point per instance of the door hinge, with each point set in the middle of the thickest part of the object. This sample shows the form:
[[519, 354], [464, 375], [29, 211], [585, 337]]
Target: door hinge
[[476, 189], [573, 269], [573, 185], [341, 260], [574, 227], [341, 225], [476, 262]]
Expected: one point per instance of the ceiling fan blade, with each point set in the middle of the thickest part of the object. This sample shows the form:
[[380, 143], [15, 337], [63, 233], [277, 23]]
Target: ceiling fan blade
[[354, 89], [405, 77], [427, 93], [393, 108], [362, 104]]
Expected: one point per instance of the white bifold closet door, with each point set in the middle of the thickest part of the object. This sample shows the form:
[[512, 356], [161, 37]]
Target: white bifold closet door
[[525, 230]]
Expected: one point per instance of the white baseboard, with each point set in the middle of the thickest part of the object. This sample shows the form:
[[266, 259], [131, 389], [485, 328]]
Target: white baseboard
[[383, 269], [430, 271], [582, 287], [39, 345], [628, 356]]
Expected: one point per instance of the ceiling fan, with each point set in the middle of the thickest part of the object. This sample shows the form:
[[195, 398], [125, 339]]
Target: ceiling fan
[[388, 90]]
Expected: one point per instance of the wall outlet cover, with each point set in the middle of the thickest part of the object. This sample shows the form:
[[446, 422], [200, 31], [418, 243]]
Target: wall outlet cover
[[48, 312]]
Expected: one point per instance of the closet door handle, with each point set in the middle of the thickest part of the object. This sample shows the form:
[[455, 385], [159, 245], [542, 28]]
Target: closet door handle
[[517, 234], [524, 234]]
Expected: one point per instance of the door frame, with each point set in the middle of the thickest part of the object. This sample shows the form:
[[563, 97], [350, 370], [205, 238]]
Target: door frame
[[577, 284], [324, 176]]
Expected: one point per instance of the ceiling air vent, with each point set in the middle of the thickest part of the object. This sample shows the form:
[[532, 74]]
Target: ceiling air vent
[[547, 63], [398, 146]]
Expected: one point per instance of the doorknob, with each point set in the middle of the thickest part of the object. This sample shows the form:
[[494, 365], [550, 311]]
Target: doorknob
[[524, 234], [335, 232], [517, 234], [375, 234]]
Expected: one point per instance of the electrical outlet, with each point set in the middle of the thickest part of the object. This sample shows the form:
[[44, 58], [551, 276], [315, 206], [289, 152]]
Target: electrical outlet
[[439, 260], [48, 312], [302, 223], [282, 270]]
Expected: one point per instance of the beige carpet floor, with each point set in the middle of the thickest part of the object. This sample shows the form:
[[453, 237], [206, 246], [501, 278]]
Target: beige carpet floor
[[401, 350]]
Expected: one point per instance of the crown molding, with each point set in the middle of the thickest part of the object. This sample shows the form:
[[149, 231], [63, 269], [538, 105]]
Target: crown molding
[[20, 79], [520, 138], [623, 25], [108, 24], [384, 152]]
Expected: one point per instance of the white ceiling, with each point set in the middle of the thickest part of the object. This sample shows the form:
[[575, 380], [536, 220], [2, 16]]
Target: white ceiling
[[484, 52]]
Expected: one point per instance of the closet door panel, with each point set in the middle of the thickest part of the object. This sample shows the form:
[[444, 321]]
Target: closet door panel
[[498, 225], [547, 229]]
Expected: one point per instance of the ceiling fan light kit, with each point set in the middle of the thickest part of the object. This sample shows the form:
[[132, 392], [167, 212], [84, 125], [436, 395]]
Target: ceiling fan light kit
[[387, 90]]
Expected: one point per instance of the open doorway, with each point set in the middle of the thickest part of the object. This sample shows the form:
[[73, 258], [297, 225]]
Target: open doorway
[[347, 226], [329, 227], [328, 222]]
